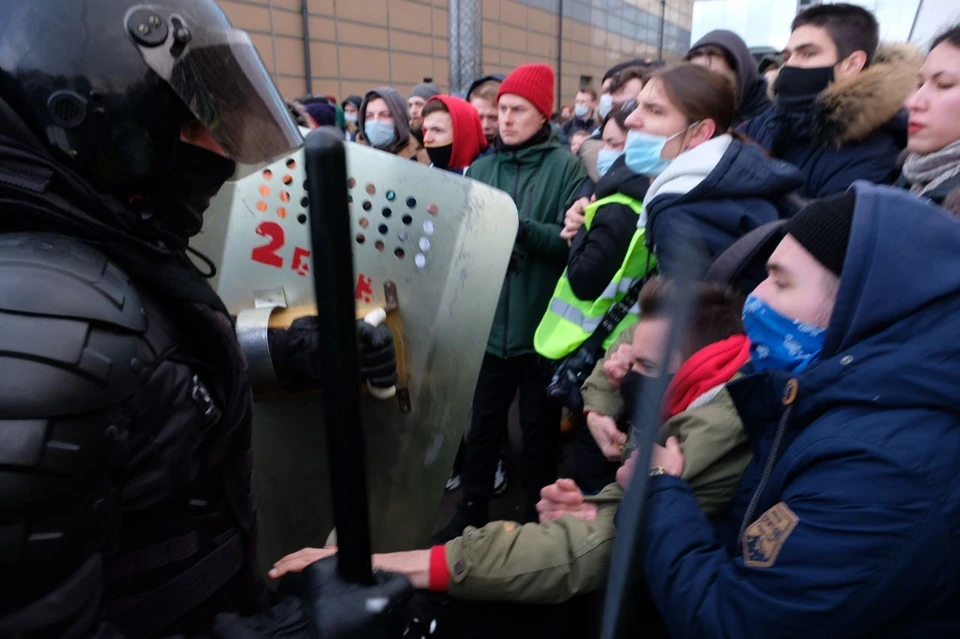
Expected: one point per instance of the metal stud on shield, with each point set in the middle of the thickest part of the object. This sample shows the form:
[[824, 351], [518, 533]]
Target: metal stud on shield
[[443, 298]]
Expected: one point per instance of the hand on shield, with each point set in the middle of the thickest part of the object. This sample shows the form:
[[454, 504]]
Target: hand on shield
[[321, 604], [343, 609], [378, 355], [296, 360]]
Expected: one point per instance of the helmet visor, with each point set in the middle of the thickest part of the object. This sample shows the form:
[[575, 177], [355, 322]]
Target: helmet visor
[[221, 79]]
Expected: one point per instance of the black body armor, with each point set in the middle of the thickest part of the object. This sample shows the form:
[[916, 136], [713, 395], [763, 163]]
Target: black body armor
[[125, 501]]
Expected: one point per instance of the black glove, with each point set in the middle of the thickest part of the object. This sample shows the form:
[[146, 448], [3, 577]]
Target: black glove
[[294, 352], [347, 611], [290, 619], [378, 356]]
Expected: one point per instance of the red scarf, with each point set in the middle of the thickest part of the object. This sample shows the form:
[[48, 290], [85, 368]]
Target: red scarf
[[708, 368]]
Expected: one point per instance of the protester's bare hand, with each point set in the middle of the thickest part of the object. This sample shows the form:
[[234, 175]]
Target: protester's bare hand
[[609, 438], [616, 366], [295, 562], [574, 219], [668, 457], [625, 472], [564, 497]]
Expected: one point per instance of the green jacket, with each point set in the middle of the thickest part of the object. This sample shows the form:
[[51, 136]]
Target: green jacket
[[554, 561], [598, 395], [541, 179]]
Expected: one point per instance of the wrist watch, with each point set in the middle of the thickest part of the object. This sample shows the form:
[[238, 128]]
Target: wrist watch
[[658, 470]]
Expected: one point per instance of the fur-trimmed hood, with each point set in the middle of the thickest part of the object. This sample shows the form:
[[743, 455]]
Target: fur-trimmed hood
[[852, 108]]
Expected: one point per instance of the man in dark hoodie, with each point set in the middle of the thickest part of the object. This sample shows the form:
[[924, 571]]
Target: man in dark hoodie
[[839, 113], [415, 103], [384, 125], [482, 95], [541, 176], [726, 53]]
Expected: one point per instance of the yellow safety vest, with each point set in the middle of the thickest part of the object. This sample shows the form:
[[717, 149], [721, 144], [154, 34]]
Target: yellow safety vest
[[569, 321]]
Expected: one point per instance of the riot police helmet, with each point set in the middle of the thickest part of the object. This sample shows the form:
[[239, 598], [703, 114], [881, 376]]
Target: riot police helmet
[[107, 86]]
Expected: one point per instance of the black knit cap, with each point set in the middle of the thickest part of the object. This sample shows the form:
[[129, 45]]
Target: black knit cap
[[823, 228]]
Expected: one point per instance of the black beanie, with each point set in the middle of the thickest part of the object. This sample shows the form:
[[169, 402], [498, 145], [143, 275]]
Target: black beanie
[[823, 228]]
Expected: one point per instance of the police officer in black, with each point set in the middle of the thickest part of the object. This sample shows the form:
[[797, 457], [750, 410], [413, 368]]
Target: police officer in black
[[125, 412]]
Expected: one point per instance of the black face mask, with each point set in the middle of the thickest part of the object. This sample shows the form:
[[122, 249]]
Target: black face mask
[[185, 193], [632, 391], [440, 155], [794, 82]]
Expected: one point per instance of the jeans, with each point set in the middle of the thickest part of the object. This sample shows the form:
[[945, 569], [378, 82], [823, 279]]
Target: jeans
[[499, 381]]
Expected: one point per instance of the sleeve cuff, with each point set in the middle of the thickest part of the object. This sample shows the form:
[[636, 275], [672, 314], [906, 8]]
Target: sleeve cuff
[[439, 573]]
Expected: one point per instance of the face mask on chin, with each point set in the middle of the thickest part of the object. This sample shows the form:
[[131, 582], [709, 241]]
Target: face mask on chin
[[794, 82], [632, 391], [380, 134], [605, 160], [185, 193], [440, 155], [778, 342], [605, 106], [644, 151]]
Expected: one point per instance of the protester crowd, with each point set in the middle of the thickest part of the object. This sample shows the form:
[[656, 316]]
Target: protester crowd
[[804, 481]]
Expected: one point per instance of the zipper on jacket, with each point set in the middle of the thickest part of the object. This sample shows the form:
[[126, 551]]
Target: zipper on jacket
[[506, 308], [789, 395]]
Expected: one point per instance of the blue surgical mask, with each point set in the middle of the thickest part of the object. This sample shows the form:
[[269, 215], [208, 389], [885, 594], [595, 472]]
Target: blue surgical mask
[[379, 134], [605, 106], [581, 111], [350, 117], [643, 151], [778, 342], [605, 159]]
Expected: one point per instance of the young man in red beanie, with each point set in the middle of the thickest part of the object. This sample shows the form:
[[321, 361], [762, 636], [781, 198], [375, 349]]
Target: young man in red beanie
[[452, 133], [530, 164]]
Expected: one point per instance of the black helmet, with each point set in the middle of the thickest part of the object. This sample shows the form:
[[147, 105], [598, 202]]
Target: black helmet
[[106, 85]]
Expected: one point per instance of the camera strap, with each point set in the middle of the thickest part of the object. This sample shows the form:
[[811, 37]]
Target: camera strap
[[616, 313]]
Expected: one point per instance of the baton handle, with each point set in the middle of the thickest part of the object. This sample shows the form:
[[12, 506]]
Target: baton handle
[[333, 278]]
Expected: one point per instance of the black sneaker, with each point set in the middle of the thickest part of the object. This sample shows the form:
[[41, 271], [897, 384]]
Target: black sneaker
[[469, 513]]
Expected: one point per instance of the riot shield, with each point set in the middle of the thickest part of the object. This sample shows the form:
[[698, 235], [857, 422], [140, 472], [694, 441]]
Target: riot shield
[[432, 249]]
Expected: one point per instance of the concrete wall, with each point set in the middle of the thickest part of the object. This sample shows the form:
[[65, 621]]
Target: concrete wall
[[356, 45]]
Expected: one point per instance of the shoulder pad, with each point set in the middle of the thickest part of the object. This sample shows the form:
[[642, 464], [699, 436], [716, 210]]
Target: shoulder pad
[[72, 328], [53, 275]]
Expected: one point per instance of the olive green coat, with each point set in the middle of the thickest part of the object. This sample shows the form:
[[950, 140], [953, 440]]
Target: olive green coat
[[554, 561]]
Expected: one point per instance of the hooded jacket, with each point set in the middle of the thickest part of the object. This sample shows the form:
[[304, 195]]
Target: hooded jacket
[[496, 77], [405, 145], [597, 253], [468, 139], [724, 188], [553, 561], [542, 178], [853, 529], [854, 131], [752, 98]]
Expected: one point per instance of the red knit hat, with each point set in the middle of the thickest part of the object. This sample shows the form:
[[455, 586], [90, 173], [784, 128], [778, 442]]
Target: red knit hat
[[533, 82]]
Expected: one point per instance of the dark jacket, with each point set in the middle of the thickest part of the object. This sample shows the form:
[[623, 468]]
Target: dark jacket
[[752, 98], [145, 459], [854, 529], [499, 77], [542, 179], [596, 254], [576, 124], [855, 129], [735, 194]]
